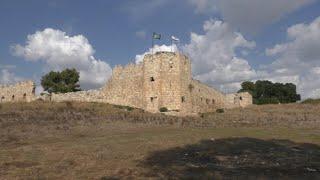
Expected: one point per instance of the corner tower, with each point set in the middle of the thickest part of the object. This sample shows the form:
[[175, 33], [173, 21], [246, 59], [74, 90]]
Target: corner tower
[[166, 76]]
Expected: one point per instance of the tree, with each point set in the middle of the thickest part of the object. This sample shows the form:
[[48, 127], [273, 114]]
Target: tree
[[61, 82], [267, 92]]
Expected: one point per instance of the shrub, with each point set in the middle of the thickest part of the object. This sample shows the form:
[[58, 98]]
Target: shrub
[[311, 101], [163, 109], [220, 110]]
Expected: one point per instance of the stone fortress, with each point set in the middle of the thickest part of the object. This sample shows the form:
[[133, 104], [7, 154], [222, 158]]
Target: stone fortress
[[161, 80]]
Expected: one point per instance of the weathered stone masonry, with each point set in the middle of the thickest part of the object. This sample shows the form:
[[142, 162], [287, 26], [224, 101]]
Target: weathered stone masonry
[[23, 91], [161, 80]]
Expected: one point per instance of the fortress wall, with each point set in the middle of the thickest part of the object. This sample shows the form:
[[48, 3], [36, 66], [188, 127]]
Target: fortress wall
[[80, 96], [170, 74], [125, 86], [205, 98], [152, 83], [235, 100], [185, 81], [20, 92]]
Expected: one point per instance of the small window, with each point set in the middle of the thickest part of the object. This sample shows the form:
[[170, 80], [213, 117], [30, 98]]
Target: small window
[[213, 101], [24, 96], [183, 99], [151, 79], [12, 98], [199, 90], [207, 101], [171, 66], [151, 99], [201, 99], [240, 98]]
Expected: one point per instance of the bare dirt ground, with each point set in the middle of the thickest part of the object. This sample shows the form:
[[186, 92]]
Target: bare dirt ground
[[98, 141]]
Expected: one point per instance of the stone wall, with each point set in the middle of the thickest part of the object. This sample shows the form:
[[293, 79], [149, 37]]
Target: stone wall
[[205, 98], [20, 92], [161, 80], [125, 87], [80, 96], [235, 100]]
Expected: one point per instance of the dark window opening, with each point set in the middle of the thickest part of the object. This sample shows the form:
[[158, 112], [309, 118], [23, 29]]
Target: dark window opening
[[240, 98], [151, 79], [213, 101], [199, 90], [12, 97], [183, 99], [24, 96], [152, 98], [171, 66], [201, 99]]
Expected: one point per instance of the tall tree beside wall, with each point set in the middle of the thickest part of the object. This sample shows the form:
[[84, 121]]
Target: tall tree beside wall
[[61, 82], [267, 92]]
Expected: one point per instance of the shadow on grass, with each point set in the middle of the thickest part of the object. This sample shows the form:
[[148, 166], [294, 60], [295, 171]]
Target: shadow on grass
[[240, 158]]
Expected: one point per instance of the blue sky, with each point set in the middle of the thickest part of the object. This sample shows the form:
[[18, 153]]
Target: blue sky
[[117, 31]]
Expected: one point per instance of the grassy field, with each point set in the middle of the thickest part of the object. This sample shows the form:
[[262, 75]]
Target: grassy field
[[100, 141]]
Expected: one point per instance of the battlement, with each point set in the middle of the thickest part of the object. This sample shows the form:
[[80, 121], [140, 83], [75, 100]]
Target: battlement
[[22, 91], [161, 80]]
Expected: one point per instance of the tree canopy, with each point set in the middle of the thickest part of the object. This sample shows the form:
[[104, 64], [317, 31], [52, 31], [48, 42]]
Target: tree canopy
[[61, 82], [267, 92]]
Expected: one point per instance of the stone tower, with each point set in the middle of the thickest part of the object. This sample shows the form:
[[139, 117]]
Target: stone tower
[[165, 77]]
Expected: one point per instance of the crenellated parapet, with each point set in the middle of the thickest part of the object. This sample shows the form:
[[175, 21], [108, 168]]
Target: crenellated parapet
[[20, 92]]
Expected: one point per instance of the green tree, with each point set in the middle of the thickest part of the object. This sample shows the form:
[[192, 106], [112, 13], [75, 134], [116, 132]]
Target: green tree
[[267, 92], [61, 82]]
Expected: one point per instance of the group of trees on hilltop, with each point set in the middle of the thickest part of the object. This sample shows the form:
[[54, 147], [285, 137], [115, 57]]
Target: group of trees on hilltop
[[61, 82], [267, 92]]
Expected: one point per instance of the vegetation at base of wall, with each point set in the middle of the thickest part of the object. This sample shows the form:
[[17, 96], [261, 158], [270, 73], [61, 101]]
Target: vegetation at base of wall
[[220, 110], [61, 82], [267, 92], [311, 101], [128, 108], [163, 109]]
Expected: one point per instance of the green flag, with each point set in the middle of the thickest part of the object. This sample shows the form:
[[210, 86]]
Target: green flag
[[156, 36]]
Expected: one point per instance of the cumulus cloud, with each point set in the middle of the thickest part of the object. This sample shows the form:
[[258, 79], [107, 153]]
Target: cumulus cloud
[[249, 15], [214, 59], [156, 48], [59, 51], [298, 59], [8, 77]]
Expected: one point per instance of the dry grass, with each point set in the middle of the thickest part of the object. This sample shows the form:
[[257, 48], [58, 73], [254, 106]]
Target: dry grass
[[100, 141]]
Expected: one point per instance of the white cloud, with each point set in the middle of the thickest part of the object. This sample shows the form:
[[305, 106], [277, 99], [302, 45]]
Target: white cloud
[[7, 77], [214, 59], [250, 15], [156, 48], [298, 59], [59, 51]]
